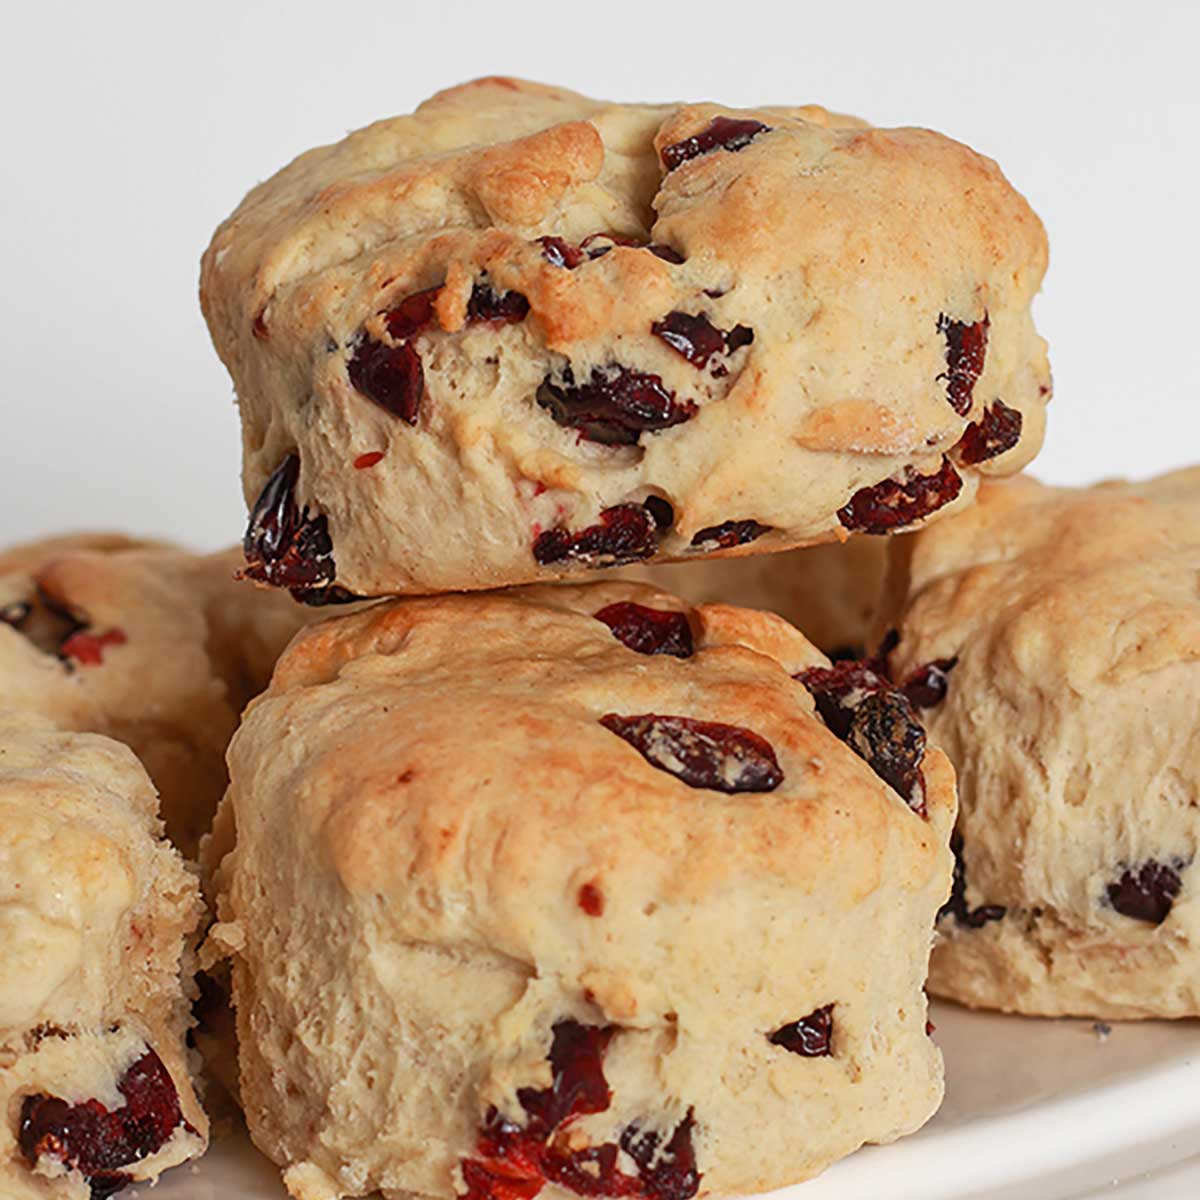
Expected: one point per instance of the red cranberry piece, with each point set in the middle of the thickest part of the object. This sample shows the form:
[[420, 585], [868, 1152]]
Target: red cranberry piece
[[926, 687], [1146, 893], [649, 630], [591, 900], [998, 430], [97, 1142], [391, 376], [88, 648], [966, 350], [704, 754], [894, 504], [323, 596], [626, 533], [577, 1071], [365, 461], [725, 133], [507, 308], [810, 1037], [695, 337], [615, 406], [668, 1173], [561, 253], [412, 315], [956, 906], [730, 533], [284, 546], [877, 722]]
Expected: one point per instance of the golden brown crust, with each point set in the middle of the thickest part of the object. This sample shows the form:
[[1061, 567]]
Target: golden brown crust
[[841, 247]]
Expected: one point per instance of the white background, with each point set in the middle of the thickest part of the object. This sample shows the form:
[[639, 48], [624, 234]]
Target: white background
[[131, 129]]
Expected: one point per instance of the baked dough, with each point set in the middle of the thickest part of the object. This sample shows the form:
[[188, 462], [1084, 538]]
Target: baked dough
[[1064, 629], [565, 884], [94, 911], [521, 334]]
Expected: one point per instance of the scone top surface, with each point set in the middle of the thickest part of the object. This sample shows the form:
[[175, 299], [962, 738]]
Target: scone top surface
[[475, 819], [470, 344], [1069, 624]]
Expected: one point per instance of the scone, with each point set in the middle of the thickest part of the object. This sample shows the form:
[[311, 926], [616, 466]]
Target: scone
[[569, 888], [831, 593], [520, 334], [1054, 636], [155, 647], [94, 911]]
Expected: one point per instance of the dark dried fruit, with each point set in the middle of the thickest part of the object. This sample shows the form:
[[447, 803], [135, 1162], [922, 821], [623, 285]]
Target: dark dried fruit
[[724, 133], [560, 253], [893, 503], [97, 1142], [591, 900], [926, 686], [412, 315], [615, 406], [626, 533], [810, 1037], [695, 337], [956, 906], [390, 376], [88, 648], [966, 350], [515, 1162], [997, 431], [506, 308], [704, 754], [730, 533], [284, 546], [323, 596], [861, 707], [15, 614], [649, 630], [1146, 893]]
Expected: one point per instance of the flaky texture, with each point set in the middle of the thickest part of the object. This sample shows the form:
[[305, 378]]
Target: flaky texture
[[1074, 620], [831, 593], [439, 854], [155, 647], [835, 265], [94, 912]]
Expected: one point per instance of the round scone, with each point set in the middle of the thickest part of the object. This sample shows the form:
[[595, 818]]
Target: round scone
[[521, 333], [570, 888], [831, 593], [1054, 635], [155, 647], [94, 912]]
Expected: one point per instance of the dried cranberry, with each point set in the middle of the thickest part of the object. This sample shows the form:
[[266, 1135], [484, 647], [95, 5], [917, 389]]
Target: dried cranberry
[[391, 376], [704, 754], [284, 546], [560, 253], [626, 533], [966, 350], [365, 461], [667, 255], [956, 906], [1146, 893], [506, 308], [926, 686], [88, 648], [810, 1037], [515, 1162], [695, 337], [893, 504], [615, 406], [324, 596], [997, 431], [591, 900], [725, 133], [412, 315], [876, 721], [649, 630], [97, 1142], [730, 533]]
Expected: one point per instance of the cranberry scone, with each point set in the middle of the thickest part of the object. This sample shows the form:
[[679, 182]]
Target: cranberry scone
[[571, 888], [95, 908], [521, 334], [831, 593], [155, 647], [1053, 638]]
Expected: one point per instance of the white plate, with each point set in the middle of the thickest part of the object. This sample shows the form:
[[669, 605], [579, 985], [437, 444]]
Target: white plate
[[1035, 1110]]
